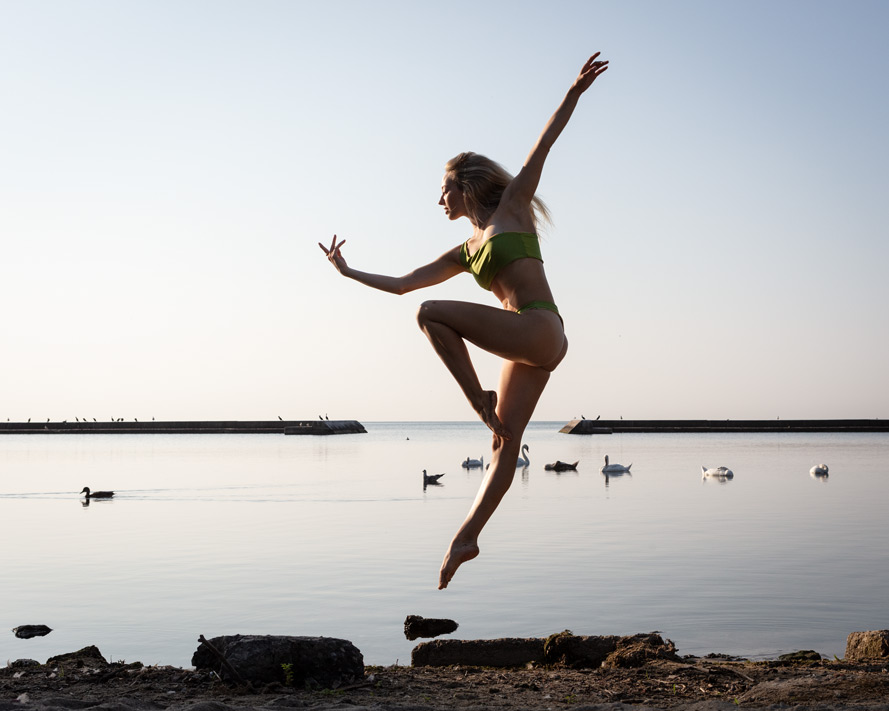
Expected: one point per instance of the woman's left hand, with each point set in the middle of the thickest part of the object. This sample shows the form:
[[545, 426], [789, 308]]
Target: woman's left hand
[[590, 72], [334, 255]]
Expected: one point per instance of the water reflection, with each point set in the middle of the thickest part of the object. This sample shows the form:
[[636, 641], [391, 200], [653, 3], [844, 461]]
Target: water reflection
[[609, 475]]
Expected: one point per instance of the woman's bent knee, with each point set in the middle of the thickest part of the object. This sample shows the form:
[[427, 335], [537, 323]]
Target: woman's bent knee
[[425, 312]]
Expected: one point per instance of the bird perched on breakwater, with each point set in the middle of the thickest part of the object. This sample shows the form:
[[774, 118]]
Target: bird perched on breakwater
[[431, 478], [614, 468], [97, 494]]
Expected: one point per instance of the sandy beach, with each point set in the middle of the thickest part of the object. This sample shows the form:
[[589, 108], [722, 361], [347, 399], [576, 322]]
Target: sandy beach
[[702, 683]]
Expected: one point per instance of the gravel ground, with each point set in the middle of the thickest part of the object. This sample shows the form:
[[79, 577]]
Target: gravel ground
[[704, 684]]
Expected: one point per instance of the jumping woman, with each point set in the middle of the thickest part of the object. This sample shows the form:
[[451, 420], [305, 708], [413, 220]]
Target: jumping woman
[[503, 254]]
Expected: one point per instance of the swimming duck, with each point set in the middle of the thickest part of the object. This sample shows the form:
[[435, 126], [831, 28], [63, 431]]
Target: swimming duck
[[431, 478], [97, 494], [717, 473], [818, 471], [614, 468], [560, 466]]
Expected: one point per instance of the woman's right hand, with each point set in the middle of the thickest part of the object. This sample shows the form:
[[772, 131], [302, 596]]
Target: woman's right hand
[[590, 72], [334, 256]]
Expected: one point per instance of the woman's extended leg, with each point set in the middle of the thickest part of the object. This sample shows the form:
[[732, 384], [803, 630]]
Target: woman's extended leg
[[534, 338], [520, 389]]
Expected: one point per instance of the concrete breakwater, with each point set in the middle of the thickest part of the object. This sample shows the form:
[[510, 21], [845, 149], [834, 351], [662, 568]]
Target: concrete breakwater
[[669, 426], [288, 427]]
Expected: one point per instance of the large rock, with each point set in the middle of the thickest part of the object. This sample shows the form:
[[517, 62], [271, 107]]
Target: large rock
[[590, 652], [509, 652], [564, 648], [296, 661], [87, 657], [578, 651], [417, 626], [861, 646], [639, 649], [803, 655], [29, 631]]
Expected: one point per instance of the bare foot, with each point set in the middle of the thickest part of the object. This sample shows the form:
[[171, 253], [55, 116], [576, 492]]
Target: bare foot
[[488, 413], [457, 554]]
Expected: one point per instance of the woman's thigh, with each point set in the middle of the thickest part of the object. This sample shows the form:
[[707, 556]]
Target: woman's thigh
[[520, 388], [535, 337]]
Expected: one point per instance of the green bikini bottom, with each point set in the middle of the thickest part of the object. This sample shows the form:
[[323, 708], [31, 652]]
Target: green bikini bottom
[[548, 305]]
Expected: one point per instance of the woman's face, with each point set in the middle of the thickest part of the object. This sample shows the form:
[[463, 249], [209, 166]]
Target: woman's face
[[452, 199]]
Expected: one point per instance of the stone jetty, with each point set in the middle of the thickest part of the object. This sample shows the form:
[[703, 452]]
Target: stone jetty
[[585, 426], [287, 427]]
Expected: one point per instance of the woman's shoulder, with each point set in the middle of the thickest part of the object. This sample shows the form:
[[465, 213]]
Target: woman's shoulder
[[511, 217]]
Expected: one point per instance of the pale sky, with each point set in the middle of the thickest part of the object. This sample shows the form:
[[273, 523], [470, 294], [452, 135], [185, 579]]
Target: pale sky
[[167, 168]]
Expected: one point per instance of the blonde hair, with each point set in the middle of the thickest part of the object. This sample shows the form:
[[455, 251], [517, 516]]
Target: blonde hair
[[483, 182]]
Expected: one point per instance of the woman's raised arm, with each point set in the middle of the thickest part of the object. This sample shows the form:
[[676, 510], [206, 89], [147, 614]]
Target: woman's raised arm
[[524, 185], [446, 266]]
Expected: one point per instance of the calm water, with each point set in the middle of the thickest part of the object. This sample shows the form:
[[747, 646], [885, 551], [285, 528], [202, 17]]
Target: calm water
[[335, 536]]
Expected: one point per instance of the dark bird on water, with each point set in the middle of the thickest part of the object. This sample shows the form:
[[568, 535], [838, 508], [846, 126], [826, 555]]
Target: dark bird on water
[[560, 466], [97, 494], [431, 478]]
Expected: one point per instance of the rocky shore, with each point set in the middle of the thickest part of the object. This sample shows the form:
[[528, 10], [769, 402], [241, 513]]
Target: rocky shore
[[636, 680]]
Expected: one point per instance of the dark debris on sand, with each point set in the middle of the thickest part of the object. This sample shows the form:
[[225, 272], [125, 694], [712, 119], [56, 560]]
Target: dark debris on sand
[[705, 684]]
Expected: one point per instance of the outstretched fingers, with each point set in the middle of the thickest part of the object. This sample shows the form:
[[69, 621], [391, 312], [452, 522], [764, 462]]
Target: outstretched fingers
[[334, 247], [591, 71], [334, 256]]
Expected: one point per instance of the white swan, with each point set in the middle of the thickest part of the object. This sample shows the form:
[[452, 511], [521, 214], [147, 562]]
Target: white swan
[[717, 473], [818, 471], [523, 461], [614, 468], [473, 463]]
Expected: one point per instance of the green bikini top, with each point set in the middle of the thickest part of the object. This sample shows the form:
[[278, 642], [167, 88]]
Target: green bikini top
[[498, 251]]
